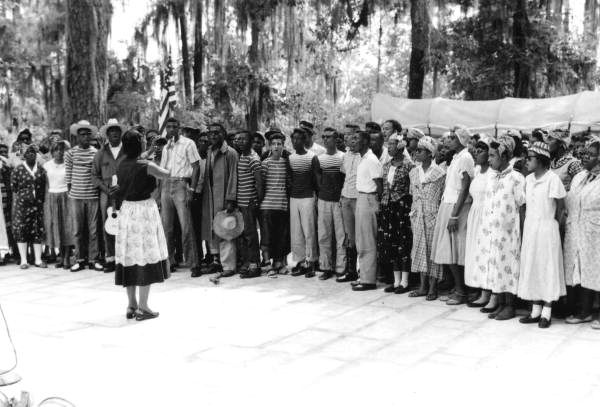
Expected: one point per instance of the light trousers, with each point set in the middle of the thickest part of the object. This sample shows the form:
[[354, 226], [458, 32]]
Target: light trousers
[[367, 207], [330, 225], [302, 229]]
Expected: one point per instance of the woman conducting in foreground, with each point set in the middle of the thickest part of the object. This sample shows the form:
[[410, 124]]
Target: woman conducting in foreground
[[141, 248]]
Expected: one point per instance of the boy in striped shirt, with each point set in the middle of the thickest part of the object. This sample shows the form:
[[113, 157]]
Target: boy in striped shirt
[[83, 196], [249, 195], [274, 215]]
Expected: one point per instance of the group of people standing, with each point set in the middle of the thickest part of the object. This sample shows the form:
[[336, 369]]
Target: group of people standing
[[493, 221]]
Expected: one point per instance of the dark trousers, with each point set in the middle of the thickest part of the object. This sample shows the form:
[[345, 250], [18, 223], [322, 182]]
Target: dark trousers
[[249, 239], [109, 240], [196, 208], [275, 233], [85, 214]]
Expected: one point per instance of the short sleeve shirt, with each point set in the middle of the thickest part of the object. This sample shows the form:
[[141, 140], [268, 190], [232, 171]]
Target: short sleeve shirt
[[349, 167], [178, 157], [369, 168], [461, 163], [248, 165]]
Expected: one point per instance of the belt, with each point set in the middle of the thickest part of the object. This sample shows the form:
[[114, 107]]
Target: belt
[[187, 179], [367, 193]]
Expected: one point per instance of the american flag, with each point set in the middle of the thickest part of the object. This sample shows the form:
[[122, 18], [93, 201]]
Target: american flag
[[168, 97]]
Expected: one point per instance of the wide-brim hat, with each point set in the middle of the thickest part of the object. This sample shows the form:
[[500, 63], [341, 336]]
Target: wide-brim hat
[[82, 124], [228, 226], [112, 123]]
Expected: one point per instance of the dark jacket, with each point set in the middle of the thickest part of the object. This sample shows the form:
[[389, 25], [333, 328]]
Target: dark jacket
[[104, 167]]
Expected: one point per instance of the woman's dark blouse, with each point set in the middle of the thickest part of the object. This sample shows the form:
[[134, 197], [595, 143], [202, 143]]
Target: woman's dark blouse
[[135, 184]]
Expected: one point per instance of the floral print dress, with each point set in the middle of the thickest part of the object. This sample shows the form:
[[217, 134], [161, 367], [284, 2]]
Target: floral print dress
[[394, 238], [28, 188], [499, 237]]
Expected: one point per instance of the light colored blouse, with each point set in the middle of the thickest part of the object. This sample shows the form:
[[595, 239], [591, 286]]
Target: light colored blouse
[[56, 177]]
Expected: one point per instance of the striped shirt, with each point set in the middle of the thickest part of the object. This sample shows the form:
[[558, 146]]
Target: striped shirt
[[275, 176], [303, 168], [247, 166], [332, 179], [78, 172]]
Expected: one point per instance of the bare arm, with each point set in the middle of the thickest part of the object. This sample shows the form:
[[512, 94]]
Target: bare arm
[[157, 172], [379, 183], [462, 197], [195, 174], [560, 213]]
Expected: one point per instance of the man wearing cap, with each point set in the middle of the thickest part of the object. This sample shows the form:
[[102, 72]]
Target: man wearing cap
[[180, 157], [369, 184], [220, 193], [83, 195], [104, 170], [563, 163], [310, 145]]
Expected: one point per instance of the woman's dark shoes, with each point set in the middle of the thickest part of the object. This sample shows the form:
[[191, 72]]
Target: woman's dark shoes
[[495, 313], [130, 314], [487, 310], [529, 320], [364, 287], [401, 289], [508, 312], [544, 323], [476, 304], [389, 289], [143, 315]]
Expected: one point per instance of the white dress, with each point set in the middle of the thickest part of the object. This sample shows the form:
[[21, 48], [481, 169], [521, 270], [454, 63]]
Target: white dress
[[542, 274], [475, 277]]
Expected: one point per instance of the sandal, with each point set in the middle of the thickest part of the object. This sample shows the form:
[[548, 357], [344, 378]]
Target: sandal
[[144, 315], [417, 293], [272, 272], [456, 299], [130, 314]]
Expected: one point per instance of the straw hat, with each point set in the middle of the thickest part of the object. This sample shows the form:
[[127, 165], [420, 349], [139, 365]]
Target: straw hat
[[112, 123], [228, 226], [82, 124]]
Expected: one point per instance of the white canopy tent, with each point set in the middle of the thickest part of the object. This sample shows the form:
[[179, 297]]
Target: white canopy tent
[[576, 112]]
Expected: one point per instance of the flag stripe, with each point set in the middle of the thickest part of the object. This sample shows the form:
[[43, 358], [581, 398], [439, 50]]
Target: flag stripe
[[168, 98]]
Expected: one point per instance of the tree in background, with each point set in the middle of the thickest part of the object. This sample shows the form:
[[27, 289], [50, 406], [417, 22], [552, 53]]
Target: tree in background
[[86, 71]]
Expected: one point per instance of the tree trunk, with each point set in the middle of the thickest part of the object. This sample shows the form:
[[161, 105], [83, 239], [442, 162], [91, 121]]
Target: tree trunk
[[198, 54], [522, 70], [219, 29], [419, 17], [380, 34], [185, 53], [254, 85], [86, 73], [590, 36], [289, 41]]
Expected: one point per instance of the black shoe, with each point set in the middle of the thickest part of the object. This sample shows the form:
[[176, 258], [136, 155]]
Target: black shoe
[[196, 272], [326, 275], [364, 287], [227, 273], [298, 270], [310, 271], [476, 305], [252, 273], [401, 290], [489, 310], [348, 277], [545, 323], [389, 289], [529, 320], [214, 267], [77, 267], [109, 267], [494, 314]]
